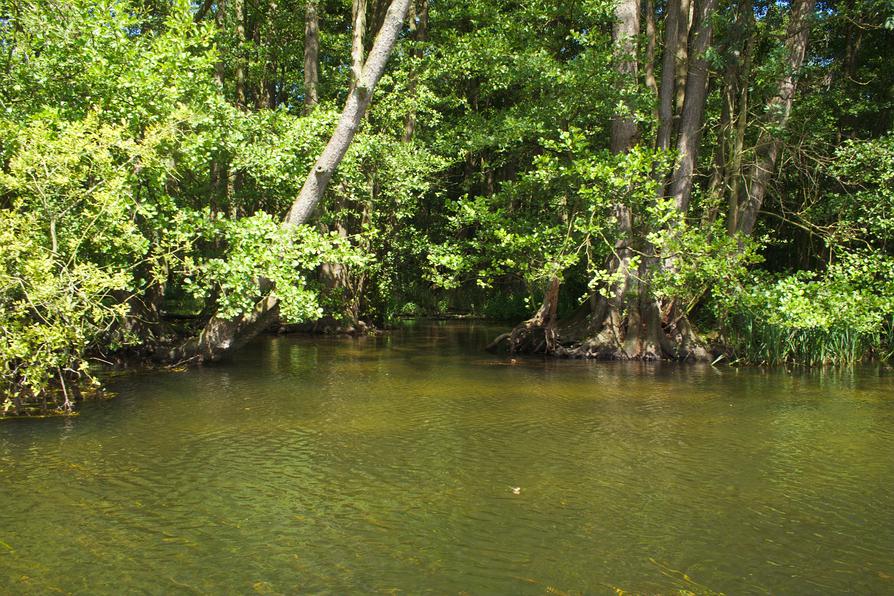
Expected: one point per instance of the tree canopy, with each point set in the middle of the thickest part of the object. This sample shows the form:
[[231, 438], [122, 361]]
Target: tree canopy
[[656, 179]]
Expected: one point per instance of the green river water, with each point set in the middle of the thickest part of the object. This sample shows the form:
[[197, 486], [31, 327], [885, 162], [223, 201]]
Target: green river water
[[418, 463]]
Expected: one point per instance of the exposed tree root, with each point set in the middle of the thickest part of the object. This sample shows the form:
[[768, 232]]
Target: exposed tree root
[[641, 332]]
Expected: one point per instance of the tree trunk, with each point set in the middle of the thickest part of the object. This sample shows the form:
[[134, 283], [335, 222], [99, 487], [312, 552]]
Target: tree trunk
[[624, 34], [666, 91], [220, 23], [203, 10], [358, 28], [681, 60], [627, 322], [239, 15], [220, 336], [311, 55], [649, 66], [693, 111], [740, 120], [779, 109], [419, 32]]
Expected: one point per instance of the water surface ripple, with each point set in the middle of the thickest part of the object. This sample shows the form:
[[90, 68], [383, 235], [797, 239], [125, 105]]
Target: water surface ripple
[[418, 463]]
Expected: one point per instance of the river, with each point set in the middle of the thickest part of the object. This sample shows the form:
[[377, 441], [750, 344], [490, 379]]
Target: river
[[417, 462]]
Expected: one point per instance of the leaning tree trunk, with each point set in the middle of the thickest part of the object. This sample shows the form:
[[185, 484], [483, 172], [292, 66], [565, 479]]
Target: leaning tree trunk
[[221, 335], [769, 143]]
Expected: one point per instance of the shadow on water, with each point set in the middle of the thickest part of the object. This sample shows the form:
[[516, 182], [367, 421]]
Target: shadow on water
[[418, 462]]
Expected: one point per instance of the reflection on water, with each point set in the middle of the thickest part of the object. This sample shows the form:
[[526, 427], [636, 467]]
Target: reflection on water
[[390, 464]]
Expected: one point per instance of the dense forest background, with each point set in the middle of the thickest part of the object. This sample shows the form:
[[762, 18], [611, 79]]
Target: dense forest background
[[679, 179]]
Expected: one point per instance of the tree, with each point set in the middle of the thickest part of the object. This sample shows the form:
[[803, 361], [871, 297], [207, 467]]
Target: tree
[[221, 334], [778, 111]]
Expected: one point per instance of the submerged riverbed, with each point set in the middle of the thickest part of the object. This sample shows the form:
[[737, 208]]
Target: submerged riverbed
[[417, 462]]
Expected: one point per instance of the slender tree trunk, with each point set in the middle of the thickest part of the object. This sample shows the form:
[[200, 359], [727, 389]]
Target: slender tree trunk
[[681, 60], [666, 91], [358, 28], [737, 148], [239, 15], [693, 112], [779, 109], [734, 52], [220, 336], [220, 22], [203, 10], [649, 66], [311, 55], [419, 32]]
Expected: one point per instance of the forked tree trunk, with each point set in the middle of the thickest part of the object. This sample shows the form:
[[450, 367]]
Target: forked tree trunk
[[220, 335], [627, 321]]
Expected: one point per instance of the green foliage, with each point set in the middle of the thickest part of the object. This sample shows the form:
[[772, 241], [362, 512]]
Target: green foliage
[[125, 173], [865, 210], [50, 311], [840, 317], [259, 248], [133, 174]]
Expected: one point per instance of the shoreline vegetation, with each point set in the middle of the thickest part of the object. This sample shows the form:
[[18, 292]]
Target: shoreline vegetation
[[686, 180]]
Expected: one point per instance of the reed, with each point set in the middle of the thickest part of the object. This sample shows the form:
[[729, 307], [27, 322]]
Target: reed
[[756, 341]]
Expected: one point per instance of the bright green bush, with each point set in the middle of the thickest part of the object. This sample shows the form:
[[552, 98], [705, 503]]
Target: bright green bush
[[841, 317]]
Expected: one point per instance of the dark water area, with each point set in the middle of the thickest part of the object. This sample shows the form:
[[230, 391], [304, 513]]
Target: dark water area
[[419, 463]]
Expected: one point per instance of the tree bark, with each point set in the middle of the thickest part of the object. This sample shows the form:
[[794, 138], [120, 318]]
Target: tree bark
[[649, 66], [220, 336], [358, 28], [666, 91], [740, 120], [681, 60], [779, 109], [311, 55], [693, 110], [239, 14], [419, 32], [624, 34]]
